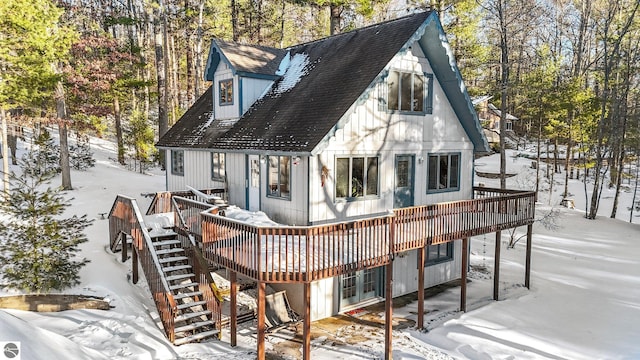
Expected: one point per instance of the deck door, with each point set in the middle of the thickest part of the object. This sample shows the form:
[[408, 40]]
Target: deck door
[[403, 191], [358, 286], [253, 182]]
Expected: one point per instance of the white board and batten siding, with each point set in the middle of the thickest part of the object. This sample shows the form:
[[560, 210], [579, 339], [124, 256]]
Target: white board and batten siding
[[293, 210], [369, 131], [197, 172]]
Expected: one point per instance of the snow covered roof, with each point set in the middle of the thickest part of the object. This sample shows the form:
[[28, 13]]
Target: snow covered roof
[[245, 60]]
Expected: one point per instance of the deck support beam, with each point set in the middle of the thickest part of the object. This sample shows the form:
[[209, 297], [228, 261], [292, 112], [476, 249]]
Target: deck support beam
[[261, 315], [420, 323], [496, 267], [233, 278], [123, 241], [388, 312], [527, 269], [306, 332], [463, 277]]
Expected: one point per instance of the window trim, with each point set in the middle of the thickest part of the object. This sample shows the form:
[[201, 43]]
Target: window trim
[[227, 102], [175, 169], [218, 173], [449, 155], [448, 257], [365, 180], [427, 89], [278, 195]]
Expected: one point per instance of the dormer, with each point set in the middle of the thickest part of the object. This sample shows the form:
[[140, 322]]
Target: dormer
[[240, 75]]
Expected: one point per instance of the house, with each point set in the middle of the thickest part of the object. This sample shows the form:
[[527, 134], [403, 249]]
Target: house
[[489, 116], [360, 144]]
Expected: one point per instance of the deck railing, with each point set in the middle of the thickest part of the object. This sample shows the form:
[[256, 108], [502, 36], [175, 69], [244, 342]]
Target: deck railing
[[125, 219], [308, 253]]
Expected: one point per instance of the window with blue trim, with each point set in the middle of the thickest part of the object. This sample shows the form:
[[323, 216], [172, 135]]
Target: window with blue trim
[[279, 177], [225, 92], [217, 166], [435, 254], [409, 92], [177, 162], [443, 172], [356, 177]]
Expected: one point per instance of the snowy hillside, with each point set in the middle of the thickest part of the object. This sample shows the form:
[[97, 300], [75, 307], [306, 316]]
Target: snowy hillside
[[583, 304]]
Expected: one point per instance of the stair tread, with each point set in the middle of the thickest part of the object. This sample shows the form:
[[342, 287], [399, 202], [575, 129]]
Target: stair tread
[[172, 259], [194, 326], [181, 286], [169, 251], [195, 337], [166, 242], [176, 268], [187, 316], [180, 277], [187, 295], [191, 304]]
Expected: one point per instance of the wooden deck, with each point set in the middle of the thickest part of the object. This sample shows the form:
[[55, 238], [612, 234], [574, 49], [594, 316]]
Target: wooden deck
[[302, 254]]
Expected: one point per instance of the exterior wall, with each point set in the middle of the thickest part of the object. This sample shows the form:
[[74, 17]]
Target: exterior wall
[[252, 89], [197, 172], [235, 168], [370, 131], [224, 72], [323, 302], [293, 211]]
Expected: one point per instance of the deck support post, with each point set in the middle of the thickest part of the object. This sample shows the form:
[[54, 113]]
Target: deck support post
[[233, 278], [463, 277], [388, 312], [134, 265], [496, 267], [306, 333], [261, 314], [123, 241], [420, 323], [527, 269]]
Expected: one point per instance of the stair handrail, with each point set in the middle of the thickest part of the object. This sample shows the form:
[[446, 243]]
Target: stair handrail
[[165, 293], [210, 291]]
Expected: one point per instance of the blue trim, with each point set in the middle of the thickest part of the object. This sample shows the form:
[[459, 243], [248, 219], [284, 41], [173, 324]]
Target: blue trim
[[428, 107], [240, 103], [446, 71], [247, 179], [257, 76]]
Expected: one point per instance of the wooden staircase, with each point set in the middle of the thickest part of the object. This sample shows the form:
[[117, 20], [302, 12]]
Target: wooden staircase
[[193, 321], [177, 273]]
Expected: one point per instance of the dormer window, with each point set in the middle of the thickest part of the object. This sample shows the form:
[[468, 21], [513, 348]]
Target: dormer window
[[225, 91], [409, 92]]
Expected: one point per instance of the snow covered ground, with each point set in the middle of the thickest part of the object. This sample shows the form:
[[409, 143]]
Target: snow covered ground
[[584, 302]]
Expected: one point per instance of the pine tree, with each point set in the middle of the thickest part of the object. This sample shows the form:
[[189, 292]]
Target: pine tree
[[38, 244]]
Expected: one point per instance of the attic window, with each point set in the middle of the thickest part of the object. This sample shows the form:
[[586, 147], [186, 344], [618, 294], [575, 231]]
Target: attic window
[[225, 90], [409, 92]]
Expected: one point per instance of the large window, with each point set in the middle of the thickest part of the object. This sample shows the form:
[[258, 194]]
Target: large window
[[217, 166], [177, 162], [409, 92], [443, 172], [279, 176], [356, 177], [225, 88], [438, 253]]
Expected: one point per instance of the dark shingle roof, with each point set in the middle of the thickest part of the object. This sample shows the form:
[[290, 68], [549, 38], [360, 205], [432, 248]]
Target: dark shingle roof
[[195, 127], [339, 69], [254, 59]]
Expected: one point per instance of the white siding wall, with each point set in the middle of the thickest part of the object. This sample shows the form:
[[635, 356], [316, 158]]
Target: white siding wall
[[236, 174], [323, 302], [369, 131], [227, 111], [252, 89], [197, 172], [295, 210]]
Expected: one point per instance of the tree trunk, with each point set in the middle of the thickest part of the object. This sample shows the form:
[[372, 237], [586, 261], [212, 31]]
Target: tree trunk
[[199, 76], [161, 73], [336, 17], [234, 20], [504, 69], [5, 151], [61, 111], [118, 119]]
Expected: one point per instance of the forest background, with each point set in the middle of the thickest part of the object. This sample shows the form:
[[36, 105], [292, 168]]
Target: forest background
[[128, 69]]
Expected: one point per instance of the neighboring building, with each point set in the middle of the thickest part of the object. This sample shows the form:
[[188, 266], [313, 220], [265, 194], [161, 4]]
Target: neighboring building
[[489, 117]]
